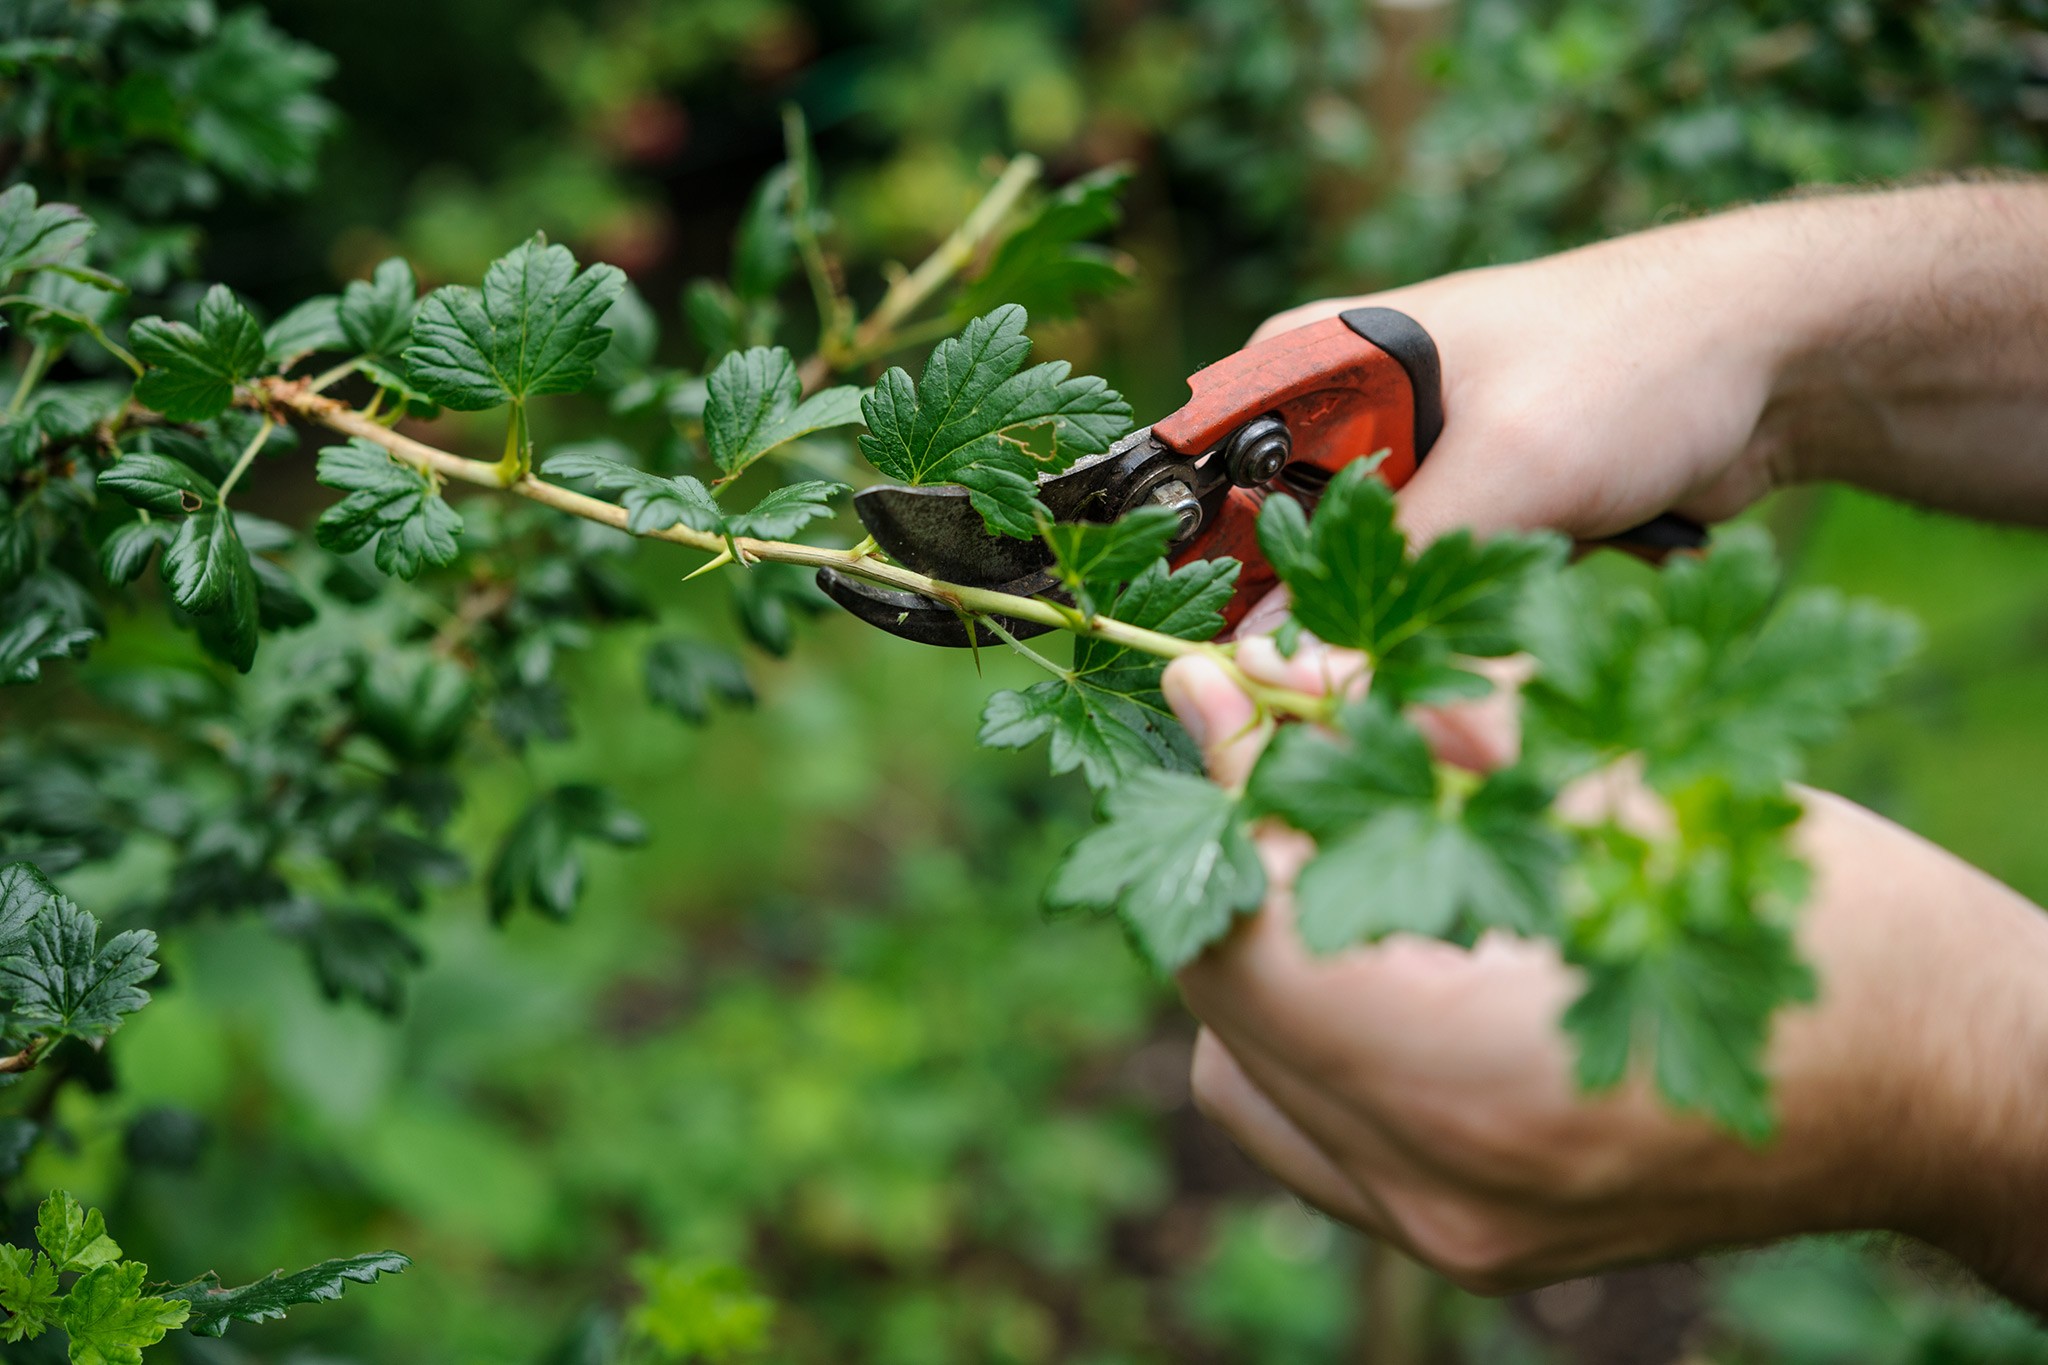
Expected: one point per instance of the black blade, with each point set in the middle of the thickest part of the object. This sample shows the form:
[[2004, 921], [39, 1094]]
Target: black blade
[[911, 617], [936, 531]]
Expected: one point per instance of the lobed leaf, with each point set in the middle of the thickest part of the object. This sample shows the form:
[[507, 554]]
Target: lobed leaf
[[392, 506], [193, 370], [686, 675], [1047, 264], [28, 1291], [963, 421], [314, 325], [34, 236], [540, 862], [1092, 557], [533, 328], [375, 315], [109, 1319], [74, 1237], [1173, 861], [752, 405], [62, 982], [208, 571]]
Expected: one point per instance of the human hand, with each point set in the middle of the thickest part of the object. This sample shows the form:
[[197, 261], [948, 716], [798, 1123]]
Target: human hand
[[1890, 340], [1424, 1093]]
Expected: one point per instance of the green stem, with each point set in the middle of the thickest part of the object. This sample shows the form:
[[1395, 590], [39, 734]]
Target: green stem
[[1026, 650], [248, 454], [79, 320], [858, 563], [327, 379], [31, 371], [835, 310]]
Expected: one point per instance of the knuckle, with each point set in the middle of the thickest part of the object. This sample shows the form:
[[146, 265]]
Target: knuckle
[[1466, 1241]]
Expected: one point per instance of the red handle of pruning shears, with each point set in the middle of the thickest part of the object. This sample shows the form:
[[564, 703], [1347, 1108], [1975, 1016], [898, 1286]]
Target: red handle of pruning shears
[[1345, 388]]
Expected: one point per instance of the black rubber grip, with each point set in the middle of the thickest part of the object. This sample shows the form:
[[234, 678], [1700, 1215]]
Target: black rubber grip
[[1661, 535], [1402, 337]]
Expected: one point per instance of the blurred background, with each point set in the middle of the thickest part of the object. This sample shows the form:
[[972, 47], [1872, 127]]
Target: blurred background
[[812, 1059]]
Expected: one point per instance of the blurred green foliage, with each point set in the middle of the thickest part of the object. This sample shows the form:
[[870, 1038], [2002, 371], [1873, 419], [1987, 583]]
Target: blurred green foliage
[[816, 1028]]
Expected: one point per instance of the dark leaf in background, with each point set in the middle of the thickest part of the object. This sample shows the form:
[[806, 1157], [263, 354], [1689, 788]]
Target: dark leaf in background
[[416, 702], [167, 1137], [540, 859], [687, 675], [1047, 265]]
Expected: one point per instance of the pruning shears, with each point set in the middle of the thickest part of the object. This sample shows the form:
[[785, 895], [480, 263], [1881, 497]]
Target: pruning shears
[[1281, 415]]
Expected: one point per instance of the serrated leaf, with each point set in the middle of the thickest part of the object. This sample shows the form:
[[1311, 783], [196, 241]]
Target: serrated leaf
[[1397, 853], [375, 315], [255, 113], [540, 861], [1698, 673], [33, 236], [964, 420], [534, 328], [209, 574], [390, 505], [159, 483], [1047, 264], [74, 1237], [314, 325], [1353, 583], [126, 551], [28, 1291], [1107, 717], [193, 370], [361, 956], [62, 982], [1173, 861], [687, 675], [30, 638], [109, 1319], [24, 894], [214, 1307], [751, 406], [1092, 558], [786, 510], [1687, 959]]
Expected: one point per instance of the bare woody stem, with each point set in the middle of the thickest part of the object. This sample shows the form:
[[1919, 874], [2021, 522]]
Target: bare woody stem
[[876, 331], [295, 396]]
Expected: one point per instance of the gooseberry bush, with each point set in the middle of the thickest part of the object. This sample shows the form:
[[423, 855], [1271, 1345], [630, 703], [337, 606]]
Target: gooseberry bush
[[309, 775]]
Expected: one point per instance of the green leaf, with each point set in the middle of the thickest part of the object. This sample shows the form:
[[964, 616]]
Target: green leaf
[[19, 545], [964, 421], [109, 1319], [1174, 861], [375, 315], [280, 603], [209, 574], [193, 370], [61, 982], [767, 599], [654, 503], [1396, 851], [1107, 716], [1091, 558], [1687, 958], [751, 407], [699, 1311], [28, 639], [74, 1237], [764, 247], [314, 325], [1698, 673], [125, 553], [540, 862], [786, 510], [686, 675], [254, 111], [34, 236], [214, 1307], [1353, 583], [159, 483], [25, 893], [391, 505], [634, 336], [28, 1291], [1047, 265], [416, 703], [534, 328]]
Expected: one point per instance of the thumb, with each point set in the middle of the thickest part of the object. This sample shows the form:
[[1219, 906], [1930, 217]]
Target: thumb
[[1461, 485], [1219, 716]]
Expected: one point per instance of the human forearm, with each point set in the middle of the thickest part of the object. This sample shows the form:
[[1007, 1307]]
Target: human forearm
[[1909, 342]]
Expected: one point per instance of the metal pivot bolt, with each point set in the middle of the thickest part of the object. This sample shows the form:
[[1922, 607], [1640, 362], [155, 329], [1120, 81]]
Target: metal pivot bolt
[[1176, 497], [1257, 451]]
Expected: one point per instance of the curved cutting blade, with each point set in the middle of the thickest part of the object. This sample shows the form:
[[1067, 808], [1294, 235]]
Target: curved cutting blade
[[911, 617], [937, 531]]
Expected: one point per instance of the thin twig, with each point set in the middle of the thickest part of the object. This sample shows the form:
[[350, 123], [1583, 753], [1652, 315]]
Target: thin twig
[[292, 396], [234, 477]]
